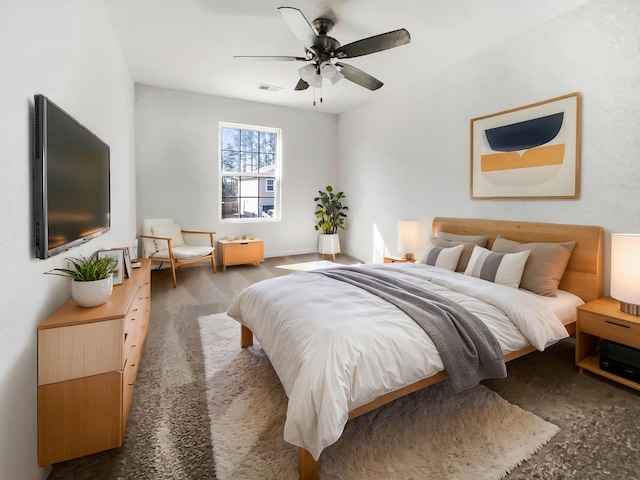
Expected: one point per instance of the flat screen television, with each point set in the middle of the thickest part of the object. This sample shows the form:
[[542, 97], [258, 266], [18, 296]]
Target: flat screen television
[[71, 181]]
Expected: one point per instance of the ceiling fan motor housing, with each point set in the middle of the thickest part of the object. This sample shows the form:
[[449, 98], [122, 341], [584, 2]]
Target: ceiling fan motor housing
[[323, 25]]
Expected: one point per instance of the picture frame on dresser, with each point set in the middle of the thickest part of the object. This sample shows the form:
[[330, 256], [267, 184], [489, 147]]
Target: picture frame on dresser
[[128, 269], [118, 255]]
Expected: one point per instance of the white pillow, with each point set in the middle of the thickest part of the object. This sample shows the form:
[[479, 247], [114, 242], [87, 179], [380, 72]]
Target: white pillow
[[443, 257], [502, 268], [167, 230]]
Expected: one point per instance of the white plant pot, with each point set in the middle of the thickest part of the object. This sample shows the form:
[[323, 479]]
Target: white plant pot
[[92, 294], [329, 244]]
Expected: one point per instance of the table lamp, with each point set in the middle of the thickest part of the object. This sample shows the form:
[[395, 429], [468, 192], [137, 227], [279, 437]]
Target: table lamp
[[408, 235], [625, 271]]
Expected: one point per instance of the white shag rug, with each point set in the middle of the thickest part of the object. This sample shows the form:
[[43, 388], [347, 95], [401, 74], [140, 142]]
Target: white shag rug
[[305, 266], [431, 434]]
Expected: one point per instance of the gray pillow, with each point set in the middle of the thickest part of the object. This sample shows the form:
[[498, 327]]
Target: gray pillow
[[545, 266], [445, 240]]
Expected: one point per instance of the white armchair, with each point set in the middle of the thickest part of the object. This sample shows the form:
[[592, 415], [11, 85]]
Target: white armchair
[[162, 242]]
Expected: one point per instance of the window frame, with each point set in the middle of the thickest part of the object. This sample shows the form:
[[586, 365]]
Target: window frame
[[276, 175]]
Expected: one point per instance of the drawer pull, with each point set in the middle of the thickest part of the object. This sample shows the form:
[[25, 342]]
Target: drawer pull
[[617, 324], [131, 384]]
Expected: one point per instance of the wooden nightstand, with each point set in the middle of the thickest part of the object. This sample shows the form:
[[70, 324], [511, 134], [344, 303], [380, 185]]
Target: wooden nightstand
[[398, 260], [602, 319]]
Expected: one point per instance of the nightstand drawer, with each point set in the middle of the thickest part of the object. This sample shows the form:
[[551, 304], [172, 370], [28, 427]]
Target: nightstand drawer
[[610, 328]]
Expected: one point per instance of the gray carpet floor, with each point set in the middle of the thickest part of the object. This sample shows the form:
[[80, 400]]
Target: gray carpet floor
[[168, 434]]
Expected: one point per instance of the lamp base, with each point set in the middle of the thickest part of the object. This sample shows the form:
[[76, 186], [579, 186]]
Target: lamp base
[[409, 257], [630, 308]]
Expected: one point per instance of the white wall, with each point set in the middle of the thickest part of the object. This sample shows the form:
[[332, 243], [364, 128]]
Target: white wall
[[177, 163], [67, 51], [406, 156]]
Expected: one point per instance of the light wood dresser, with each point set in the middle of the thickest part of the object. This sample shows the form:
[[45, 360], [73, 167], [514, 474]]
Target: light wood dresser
[[87, 365]]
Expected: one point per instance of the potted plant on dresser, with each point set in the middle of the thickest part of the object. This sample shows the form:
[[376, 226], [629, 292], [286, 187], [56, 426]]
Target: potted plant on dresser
[[92, 279], [330, 215]]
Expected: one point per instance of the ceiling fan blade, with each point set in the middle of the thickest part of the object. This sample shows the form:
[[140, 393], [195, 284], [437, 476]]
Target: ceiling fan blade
[[356, 75], [301, 85], [374, 44], [299, 25], [280, 58]]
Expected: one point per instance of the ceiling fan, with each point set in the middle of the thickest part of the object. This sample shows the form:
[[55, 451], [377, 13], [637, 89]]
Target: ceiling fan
[[321, 50]]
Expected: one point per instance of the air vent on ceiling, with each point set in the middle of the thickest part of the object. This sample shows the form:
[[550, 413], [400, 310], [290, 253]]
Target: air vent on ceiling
[[268, 88]]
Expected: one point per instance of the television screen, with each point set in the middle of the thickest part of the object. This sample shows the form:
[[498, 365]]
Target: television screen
[[71, 181]]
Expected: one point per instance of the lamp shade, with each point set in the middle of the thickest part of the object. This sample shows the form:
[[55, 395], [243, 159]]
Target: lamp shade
[[625, 270], [408, 236], [309, 74]]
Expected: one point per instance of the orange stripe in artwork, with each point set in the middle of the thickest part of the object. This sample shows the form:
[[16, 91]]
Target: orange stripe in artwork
[[534, 157]]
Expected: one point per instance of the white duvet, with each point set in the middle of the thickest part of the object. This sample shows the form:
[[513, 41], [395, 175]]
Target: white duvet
[[336, 347]]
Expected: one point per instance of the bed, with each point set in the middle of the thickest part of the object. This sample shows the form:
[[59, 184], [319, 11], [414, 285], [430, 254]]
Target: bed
[[340, 351]]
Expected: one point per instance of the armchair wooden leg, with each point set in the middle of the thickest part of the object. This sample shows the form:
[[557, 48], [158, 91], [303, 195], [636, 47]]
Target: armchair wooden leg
[[173, 271], [213, 262]]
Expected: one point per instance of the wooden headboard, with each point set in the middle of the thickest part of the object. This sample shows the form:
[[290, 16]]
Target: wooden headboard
[[583, 275]]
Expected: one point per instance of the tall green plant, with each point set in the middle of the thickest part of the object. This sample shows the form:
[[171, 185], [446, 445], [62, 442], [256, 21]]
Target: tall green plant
[[330, 211]]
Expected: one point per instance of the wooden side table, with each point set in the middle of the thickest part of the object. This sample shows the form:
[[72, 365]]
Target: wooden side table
[[398, 260], [240, 252], [599, 320]]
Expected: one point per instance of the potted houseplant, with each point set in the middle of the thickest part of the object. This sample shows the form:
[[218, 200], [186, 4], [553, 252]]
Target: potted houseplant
[[92, 280], [330, 215]]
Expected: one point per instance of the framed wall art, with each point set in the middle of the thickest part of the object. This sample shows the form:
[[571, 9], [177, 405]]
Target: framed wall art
[[528, 152], [118, 255]]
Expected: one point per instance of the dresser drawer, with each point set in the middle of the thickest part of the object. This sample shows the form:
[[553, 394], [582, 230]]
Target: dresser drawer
[[78, 351], [609, 328]]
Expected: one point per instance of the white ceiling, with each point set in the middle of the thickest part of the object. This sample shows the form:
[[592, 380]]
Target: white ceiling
[[190, 44]]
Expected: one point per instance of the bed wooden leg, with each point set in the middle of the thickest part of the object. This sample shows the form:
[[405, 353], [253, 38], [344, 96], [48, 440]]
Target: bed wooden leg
[[246, 337], [307, 465]]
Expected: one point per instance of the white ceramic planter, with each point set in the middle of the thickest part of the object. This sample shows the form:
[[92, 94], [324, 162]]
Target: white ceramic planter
[[92, 294], [329, 244]]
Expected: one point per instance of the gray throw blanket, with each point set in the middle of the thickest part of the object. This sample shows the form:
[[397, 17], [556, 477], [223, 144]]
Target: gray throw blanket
[[469, 351]]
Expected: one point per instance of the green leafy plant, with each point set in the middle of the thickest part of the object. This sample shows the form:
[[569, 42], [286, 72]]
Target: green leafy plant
[[87, 270], [330, 211]]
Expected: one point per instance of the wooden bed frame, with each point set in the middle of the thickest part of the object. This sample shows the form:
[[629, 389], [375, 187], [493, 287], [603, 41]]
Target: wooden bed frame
[[582, 277]]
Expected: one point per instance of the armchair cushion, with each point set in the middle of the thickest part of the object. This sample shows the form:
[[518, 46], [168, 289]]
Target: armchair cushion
[[148, 244], [170, 230], [184, 252]]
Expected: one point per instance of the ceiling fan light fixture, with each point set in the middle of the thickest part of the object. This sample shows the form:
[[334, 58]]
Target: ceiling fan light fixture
[[336, 78], [309, 75], [328, 69]]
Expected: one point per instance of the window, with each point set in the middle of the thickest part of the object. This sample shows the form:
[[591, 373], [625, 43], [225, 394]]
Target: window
[[249, 172]]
